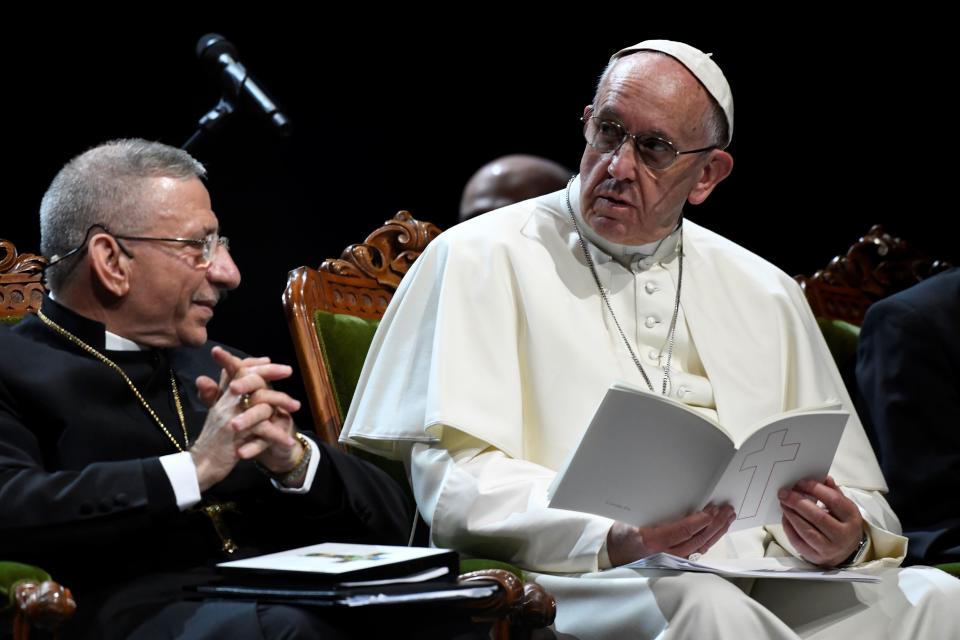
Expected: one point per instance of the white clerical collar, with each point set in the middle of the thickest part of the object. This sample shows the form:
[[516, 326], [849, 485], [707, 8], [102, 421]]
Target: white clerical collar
[[644, 255], [111, 341]]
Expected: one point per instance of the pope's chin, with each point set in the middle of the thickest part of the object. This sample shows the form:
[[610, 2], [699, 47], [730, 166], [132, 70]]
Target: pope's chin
[[611, 229]]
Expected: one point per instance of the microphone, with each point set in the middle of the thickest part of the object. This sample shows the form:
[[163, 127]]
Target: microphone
[[216, 52]]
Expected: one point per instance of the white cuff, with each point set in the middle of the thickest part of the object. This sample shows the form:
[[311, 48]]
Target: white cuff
[[182, 473], [311, 472], [603, 556]]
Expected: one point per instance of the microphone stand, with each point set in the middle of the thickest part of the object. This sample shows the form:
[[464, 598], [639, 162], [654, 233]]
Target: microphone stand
[[233, 78], [211, 122]]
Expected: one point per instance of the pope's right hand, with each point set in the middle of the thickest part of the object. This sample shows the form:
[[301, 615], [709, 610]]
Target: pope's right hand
[[691, 534]]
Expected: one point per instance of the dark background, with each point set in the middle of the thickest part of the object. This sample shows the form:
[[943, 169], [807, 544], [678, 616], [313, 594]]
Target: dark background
[[838, 127]]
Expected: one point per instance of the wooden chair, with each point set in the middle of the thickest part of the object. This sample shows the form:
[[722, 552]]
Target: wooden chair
[[339, 305], [876, 266], [21, 282], [26, 593], [359, 284]]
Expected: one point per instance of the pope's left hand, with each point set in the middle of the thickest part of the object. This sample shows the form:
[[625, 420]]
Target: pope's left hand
[[824, 533]]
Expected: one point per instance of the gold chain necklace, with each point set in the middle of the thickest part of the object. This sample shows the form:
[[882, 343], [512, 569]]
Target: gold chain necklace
[[113, 365]]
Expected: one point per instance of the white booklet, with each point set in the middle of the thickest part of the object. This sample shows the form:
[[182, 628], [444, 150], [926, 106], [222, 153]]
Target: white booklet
[[784, 568], [335, 561], [646, 459]]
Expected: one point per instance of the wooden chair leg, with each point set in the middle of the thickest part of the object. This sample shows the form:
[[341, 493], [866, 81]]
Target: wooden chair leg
[[45, 605], [524, 607]]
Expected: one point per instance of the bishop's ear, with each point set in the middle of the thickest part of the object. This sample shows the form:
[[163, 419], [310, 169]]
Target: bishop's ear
[[110, 263]]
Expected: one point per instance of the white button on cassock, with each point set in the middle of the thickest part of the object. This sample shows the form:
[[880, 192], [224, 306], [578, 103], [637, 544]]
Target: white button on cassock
[[651, 322], [650, 287]]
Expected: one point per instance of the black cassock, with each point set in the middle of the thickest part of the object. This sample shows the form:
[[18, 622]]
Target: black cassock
[[83, 493]]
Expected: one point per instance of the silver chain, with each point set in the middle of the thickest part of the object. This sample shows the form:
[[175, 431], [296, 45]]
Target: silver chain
[[603, 294]]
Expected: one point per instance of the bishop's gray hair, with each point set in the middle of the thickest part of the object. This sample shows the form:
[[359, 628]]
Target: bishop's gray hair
[[105, 185]]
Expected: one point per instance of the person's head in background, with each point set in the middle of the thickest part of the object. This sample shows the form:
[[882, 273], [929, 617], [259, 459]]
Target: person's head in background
[[510, 179]]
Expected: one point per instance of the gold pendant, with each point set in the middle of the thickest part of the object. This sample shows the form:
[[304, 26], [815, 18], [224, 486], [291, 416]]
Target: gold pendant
[[215, 512]]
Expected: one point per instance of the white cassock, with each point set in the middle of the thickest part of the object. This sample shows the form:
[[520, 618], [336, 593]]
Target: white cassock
[[494, 354]]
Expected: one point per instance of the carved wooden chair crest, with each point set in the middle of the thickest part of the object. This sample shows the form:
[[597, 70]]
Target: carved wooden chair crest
[[21, 281], [876, 266]]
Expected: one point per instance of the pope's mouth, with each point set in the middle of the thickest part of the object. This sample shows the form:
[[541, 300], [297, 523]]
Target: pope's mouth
[[614, 202], [612, 208]]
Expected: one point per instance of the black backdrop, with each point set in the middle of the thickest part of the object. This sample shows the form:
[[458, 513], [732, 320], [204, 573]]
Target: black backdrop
[[837, 127]]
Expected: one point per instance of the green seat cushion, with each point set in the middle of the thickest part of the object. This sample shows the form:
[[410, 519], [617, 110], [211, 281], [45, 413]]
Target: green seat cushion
[[344, 340], [953, 568], [10, 319]]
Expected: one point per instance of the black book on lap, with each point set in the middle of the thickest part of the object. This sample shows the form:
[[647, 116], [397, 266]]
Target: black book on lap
[[349, 576], [404, 595]]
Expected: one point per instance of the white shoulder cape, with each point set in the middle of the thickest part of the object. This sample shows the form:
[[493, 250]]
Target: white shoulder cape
[[498, 331]]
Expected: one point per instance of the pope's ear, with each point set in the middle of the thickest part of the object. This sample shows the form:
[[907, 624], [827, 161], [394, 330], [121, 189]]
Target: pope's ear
[[718, 166]]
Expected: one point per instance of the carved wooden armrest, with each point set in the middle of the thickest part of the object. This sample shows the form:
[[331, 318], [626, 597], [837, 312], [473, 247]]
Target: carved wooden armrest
[[523, 608], [43, 605]]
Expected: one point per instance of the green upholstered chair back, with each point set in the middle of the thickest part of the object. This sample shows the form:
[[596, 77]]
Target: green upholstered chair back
[[21, 282], [842, 340], [344, 341]]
